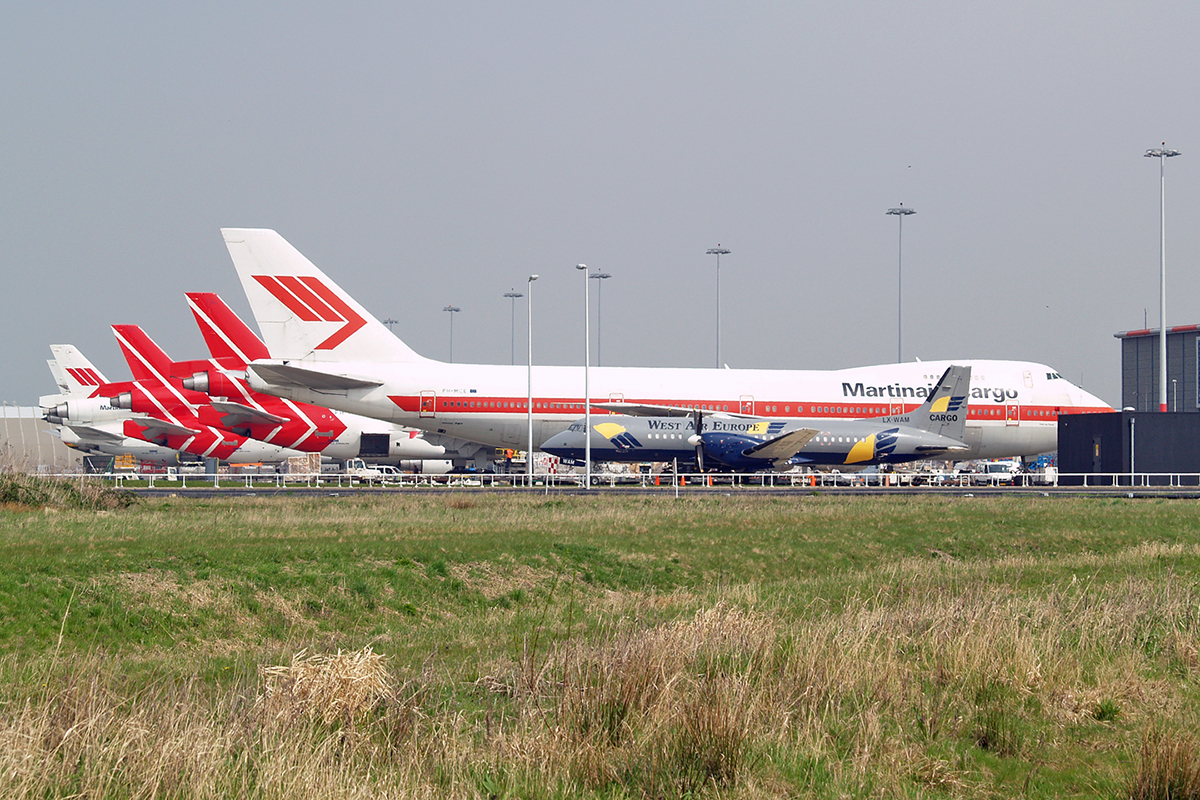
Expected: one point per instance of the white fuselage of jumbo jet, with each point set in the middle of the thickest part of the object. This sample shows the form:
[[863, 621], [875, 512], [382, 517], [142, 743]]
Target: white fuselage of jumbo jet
[[1014, 405]]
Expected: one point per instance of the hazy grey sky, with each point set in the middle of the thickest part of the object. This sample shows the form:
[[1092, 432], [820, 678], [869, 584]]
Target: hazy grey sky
[[438, 153]]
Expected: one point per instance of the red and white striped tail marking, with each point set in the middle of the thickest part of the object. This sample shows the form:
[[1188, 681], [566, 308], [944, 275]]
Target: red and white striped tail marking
[[313, 301], [87, 377]]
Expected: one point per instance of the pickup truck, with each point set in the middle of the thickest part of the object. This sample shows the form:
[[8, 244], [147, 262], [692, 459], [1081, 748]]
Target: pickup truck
[[999, 473], [357, 469]]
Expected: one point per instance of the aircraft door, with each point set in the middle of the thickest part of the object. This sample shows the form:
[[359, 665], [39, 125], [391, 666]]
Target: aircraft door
[[615, 397], [895, 409], [1012, 414], [747, 404], [428, 405]]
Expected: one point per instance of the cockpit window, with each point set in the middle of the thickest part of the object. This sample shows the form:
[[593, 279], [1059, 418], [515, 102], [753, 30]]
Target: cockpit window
[[1052, 375]]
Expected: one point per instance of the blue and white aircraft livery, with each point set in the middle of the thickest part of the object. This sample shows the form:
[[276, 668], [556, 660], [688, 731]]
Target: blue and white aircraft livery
[[327, 349], [745, 443]]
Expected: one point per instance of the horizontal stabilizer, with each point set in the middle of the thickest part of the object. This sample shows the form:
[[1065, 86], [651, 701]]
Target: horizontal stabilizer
[[87, 433], [153, 428], [285, 375], [235, 414], [782, 447]]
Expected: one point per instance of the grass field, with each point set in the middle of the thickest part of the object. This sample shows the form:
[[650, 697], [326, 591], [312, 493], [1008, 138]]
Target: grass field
[[509, 645]]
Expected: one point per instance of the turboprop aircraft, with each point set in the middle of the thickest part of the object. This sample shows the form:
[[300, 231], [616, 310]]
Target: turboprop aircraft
[[328, 349], [749, 443]]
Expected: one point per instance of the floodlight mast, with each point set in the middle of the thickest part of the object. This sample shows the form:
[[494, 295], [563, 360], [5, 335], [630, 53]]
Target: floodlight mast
[[718, 251], [512, 325], [453, 310], [1162, 154], [600, 277], [900, 213], [529, 384], [587, 367]]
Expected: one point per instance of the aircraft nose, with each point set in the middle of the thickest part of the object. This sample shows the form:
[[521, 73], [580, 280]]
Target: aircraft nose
[[563, 445]]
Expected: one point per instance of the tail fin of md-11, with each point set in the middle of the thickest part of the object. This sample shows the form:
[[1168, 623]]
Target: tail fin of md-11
[[944, 412], [227, 337], [72, 371], [300, 312], [147, 361]]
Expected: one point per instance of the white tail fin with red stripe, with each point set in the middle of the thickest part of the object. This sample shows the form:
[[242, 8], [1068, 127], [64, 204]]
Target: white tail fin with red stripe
[[301, 313], [72, 371]]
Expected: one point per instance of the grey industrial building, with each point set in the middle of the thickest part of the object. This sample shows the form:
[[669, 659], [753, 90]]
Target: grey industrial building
[[1141, 439], [1139, 368], [28, 443]]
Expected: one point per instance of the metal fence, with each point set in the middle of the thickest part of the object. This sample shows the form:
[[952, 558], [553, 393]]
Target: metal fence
[[769, 480]]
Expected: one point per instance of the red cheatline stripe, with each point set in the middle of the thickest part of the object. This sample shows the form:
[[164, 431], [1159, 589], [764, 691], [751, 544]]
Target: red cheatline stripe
[[281, 293], [309, 299], [353, 320]]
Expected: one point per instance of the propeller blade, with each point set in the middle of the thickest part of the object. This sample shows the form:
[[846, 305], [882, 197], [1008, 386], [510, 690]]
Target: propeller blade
[[698, 428]]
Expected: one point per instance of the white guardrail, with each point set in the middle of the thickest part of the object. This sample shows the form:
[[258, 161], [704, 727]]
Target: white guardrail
[[815, 480]]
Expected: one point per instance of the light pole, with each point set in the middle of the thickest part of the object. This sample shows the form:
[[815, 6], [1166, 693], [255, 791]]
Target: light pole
[[718, 251], [512, 326], [587, 390], [453, 310], [600, 277], [1162, 154], [900, 214], [529, 382]]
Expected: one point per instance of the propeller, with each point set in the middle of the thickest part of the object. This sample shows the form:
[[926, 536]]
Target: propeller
[[695, 440]]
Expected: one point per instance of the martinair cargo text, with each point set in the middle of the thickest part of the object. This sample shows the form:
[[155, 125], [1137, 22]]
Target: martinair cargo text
[[329, 350]]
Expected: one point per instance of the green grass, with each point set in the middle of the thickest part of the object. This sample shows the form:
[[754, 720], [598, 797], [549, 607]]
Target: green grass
[[612, 646]]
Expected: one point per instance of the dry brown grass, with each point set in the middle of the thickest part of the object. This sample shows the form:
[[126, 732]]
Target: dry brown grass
[[19, 490], [1168, 766], [344, 687]]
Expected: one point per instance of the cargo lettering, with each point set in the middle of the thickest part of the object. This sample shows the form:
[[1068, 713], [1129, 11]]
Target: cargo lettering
[[896, 391]]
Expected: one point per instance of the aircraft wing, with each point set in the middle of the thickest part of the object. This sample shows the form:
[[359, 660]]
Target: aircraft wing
[[783, 447], [234, 414], [649, 410], [287, 375]]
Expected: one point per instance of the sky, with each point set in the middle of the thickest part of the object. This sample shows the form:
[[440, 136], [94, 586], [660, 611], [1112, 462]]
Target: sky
[[434, 154]]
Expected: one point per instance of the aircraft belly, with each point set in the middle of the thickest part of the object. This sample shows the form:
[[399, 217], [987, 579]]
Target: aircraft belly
[[473, 430], [513, 434], [1012, 440]]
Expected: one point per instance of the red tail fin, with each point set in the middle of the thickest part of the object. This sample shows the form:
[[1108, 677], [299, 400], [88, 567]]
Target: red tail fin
[[226, 336], [146, 360]]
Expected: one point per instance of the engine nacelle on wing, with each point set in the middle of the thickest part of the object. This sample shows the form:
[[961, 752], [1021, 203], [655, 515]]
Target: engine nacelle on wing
[[727, 448]]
